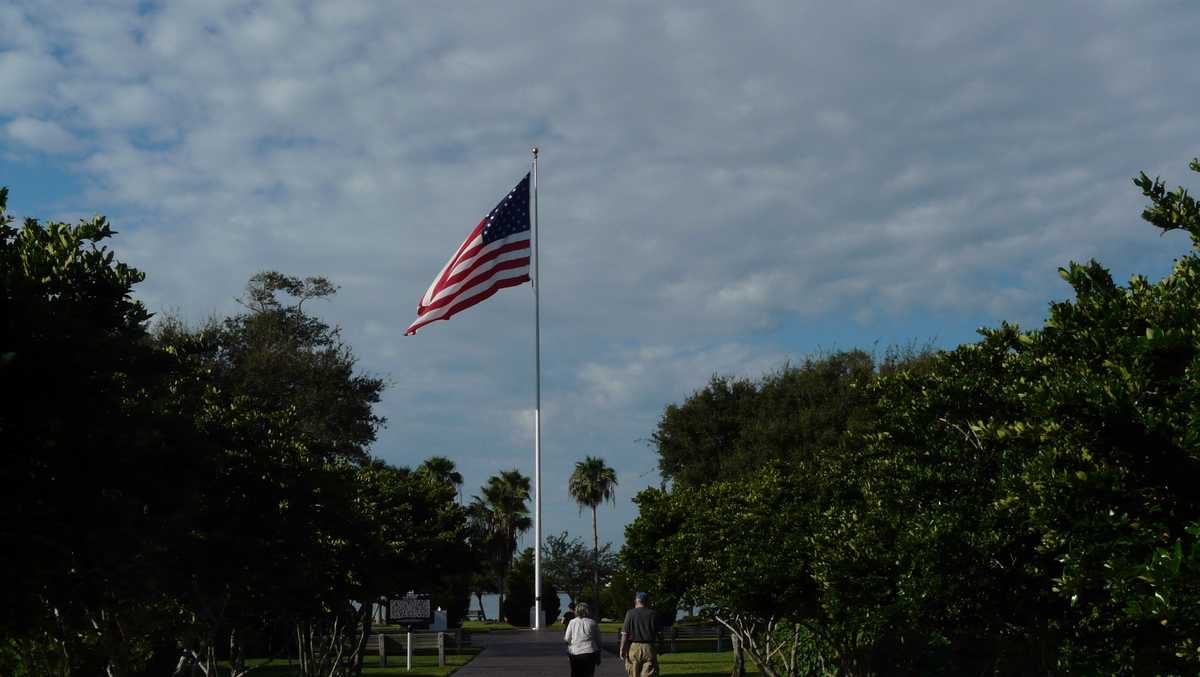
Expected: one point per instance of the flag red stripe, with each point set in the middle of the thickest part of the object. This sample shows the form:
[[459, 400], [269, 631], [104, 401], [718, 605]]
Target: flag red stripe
[[467, 303], [500, 284], [481, 280], [465, 274], [474, 234], [454, 260], [509, 247], [492, 272]]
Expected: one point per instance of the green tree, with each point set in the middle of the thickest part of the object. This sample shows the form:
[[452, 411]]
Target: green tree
[[694, 440], [919, 568], [733, 427], [569, 563], [357, 530], [504, 512], [617, 594], [593, 482], [1053, 472], [86, 437], [282, 420], [442, 469], [519, 600], [453, 592], [284, 358], [388, 532], [741, 550], [660, 516], [1025, 504], [185, 495], [483, 543]]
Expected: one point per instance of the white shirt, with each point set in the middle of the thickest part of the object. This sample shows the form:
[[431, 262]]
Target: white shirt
[[582, 636]]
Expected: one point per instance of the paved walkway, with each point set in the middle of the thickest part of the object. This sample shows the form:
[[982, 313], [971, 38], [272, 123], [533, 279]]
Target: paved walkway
[[529, 653]]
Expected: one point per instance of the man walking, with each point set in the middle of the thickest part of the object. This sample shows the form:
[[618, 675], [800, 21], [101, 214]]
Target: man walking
[[639, 633]]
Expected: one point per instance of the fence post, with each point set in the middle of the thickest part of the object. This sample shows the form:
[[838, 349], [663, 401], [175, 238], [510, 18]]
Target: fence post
[[408, 662], [382, 650], [441, 649], [720, 631]]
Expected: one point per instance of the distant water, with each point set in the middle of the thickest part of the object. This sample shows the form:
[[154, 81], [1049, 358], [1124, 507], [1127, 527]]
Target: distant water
[[491, 604]]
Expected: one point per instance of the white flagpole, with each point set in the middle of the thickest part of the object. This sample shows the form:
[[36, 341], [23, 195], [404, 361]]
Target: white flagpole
[[537, 414]]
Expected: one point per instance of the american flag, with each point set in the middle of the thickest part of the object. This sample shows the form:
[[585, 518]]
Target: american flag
[[494, 256]]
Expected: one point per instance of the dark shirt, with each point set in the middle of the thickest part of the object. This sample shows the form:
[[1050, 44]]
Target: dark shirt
[[641, 625], [567, 617]]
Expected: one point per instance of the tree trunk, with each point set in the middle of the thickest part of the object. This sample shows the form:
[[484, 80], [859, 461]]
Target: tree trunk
[[739, 658], [595, 568], [112, 639], [742, 635], [500, 598], [482, 613], [510, 547], [236, 664]]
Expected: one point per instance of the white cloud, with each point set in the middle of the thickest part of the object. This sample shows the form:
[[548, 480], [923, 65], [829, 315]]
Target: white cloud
[[650, 376], [710, 175], [27, 78], [41, 135]]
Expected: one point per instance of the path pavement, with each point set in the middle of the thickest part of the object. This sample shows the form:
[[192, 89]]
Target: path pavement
[[529, 653]]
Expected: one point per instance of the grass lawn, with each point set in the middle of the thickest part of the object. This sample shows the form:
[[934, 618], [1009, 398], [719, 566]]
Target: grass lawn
[[423, 665], [480, 626], [701, 663], [468, 626]]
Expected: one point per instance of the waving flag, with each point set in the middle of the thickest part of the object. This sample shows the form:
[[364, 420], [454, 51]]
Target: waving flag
[[494, 256]]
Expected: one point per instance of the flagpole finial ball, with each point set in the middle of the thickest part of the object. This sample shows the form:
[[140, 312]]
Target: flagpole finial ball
[[535, 151]]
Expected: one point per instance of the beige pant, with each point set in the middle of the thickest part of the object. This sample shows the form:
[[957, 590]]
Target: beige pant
[[641, 660]]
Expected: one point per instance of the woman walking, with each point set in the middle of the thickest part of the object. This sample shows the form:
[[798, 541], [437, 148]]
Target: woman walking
[[583, 642]]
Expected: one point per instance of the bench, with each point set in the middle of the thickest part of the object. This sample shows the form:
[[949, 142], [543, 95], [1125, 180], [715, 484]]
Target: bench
[[687, 633], [669, 638], [395, 643]]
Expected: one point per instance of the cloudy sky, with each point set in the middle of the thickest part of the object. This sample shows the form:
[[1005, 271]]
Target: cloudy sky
[[725, 186]]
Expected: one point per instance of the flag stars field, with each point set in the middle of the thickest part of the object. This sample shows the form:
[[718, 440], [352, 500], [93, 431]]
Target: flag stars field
[[495, 255]]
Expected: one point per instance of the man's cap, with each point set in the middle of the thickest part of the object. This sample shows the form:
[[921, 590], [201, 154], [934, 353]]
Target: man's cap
[[642, 597]]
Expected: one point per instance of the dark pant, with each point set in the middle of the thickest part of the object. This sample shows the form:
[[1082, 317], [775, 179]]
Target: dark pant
[[583, 665]]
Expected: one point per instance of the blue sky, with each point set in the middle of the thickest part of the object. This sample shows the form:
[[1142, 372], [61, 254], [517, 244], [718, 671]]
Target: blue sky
[[724, 186]]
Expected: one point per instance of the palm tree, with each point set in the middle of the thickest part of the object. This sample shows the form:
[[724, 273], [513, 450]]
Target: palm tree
[[505, 501], [483, 545], [591, 484], [443, 470]]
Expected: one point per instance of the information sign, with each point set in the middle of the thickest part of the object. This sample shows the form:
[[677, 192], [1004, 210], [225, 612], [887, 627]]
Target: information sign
[[412, 609]]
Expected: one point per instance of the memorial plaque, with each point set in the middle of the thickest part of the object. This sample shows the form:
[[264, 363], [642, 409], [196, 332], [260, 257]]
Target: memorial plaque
[[411, 609]]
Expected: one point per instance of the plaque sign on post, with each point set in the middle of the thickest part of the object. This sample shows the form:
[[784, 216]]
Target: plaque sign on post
[[414, 608]]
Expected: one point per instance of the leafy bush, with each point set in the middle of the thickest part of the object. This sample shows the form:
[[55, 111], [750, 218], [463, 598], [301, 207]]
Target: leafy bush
[[1026, 504], [519, 599]]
